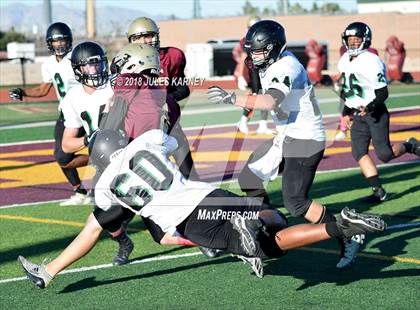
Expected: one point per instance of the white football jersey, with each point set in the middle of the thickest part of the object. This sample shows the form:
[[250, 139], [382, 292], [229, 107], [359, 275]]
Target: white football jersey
[[60, 74], [360, 77], [83, 110], [141, 178], [299, 115]]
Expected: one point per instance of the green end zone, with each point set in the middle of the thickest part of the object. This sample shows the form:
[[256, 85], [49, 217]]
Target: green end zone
[[385, 276]]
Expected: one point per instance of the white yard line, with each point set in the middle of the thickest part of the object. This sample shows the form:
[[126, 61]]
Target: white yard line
[[104, 266], [218, 109]]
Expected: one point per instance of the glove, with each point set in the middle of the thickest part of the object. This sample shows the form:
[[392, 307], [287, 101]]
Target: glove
[[242, 84], [219, 95], [16, 94], [89, 138]]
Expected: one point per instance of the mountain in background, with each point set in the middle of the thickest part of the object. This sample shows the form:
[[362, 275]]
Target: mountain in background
[[110, 20]]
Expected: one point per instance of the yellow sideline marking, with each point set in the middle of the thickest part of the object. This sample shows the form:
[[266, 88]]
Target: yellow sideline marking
[[49, 221], [373, 256], [307, 249], [38, 220]]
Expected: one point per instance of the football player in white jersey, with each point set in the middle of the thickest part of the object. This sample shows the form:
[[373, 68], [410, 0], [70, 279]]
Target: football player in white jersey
[[142, 179], [364, 93], [299, 145], [57, 72]]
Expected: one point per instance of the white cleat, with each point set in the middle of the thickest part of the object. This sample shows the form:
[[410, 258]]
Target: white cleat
[[340, 136], [77, 199], [243, 125], [255, 263], [264, 130]]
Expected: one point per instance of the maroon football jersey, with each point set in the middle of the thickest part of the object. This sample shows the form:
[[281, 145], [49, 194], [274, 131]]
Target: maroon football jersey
[[145, 101], [172, 66]]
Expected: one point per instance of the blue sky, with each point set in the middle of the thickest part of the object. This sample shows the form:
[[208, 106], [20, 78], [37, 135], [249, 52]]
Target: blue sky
[[184, 8]]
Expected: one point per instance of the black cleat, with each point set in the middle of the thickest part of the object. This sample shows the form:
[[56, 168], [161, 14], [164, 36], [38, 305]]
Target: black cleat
[[210, 253], [350, 249], [352, 223], [35, 273], [415, 146], [379, 195], [125, 247], [248, 231]]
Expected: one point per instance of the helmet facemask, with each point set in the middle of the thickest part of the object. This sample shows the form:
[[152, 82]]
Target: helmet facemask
[[264, 57], [61, 50], [142, 37], [136, 59], [364, 34], [92, 72]]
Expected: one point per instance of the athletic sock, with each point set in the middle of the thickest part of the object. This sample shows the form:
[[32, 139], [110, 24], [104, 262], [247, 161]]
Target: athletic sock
[[374, 181]]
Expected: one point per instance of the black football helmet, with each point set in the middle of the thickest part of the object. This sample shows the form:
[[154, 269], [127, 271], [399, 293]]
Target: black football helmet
[[265, 36], [90, 64], [59, 31], [103, 146], [360, 30]]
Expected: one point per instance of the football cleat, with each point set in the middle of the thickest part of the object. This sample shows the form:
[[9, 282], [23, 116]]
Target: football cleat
[[77, 199], [351, 247], [255, 263], [415, 146], [210, 253], [35, 273], [125, 247], [379, 195], [352, 223], [243, 125], [263, 129], [248, 230], [340, 136]]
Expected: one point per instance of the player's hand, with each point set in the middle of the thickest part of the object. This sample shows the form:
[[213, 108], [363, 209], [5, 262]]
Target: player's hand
[[242, 84], [16, 94], [347, 121], [362, 111], [337, 86], [219, 95], [89, 138]]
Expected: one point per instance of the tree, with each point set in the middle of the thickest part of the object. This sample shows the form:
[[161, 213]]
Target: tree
[[249, 9], [331, 8], [315, 8], [297, 9], [11, 36]]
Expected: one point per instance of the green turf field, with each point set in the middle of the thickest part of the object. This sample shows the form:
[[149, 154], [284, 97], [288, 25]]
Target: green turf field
[[386, 275]]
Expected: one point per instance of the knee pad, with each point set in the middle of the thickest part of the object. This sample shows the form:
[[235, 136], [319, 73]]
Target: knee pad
[[385, 154], [357, 155], [267, 236], [297, 206], [63, 158]]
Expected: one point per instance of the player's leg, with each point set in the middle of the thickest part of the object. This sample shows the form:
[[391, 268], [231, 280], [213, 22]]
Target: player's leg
[[349, 224], [360, 140], [159, 236], [243, 122], [263, 124], [249, 183], [41, 275], [71, 174], [115, 222], [182, 154], [301, 160]]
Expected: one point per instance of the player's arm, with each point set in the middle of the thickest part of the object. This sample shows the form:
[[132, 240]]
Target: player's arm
[[269, 101], [381, 95], [71, 143], [39, 91], [180, 91]]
